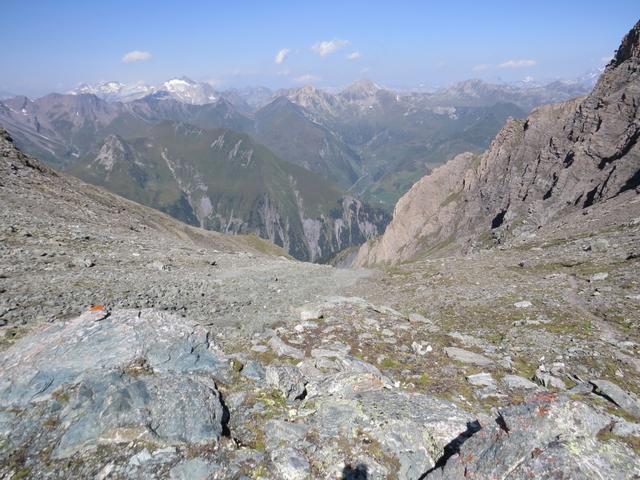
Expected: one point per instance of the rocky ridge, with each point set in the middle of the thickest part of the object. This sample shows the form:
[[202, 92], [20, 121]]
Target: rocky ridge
[[564, 157]]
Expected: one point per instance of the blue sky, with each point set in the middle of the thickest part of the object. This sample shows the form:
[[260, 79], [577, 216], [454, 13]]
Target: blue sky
[[54, 45]]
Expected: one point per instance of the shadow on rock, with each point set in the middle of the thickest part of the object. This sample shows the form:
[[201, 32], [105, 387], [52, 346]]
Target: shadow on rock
[[359, 472], [454, 445]]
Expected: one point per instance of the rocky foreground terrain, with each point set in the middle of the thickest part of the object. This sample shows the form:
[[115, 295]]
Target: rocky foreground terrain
[[134, 346]]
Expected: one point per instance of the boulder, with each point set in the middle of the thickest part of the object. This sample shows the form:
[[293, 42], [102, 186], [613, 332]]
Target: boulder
[[254, 371], [283, 349], [481, 380], [625, 400], [596, 277], [516, 382], [310, 314], [417, 318], [523, 304], [544, 378], [128, 377], [466, 356], [622, 428], [288, 379], [290, 464]]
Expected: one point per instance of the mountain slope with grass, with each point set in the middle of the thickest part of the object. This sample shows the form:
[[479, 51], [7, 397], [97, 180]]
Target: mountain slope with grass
[[225, 181]]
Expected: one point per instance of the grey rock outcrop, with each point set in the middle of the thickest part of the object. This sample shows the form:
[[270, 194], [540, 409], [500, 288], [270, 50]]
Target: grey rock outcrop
[[516, 381], [129, 376], [628, 402], [288, 379], [465, 356], [548, 436]]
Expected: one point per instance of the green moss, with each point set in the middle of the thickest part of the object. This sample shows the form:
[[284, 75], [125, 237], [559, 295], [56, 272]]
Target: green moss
[[258, 442], [390, 363], [422, 381], [270, 356], [61, 395], [12, 335], [524, 368], [138, 367], [260, 472], [51, 422], [275, 402], [21, 473], [632, 442], [236, 365], [496, 337], [17, 462]]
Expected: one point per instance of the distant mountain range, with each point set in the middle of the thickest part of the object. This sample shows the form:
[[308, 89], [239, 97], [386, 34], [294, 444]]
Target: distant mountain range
[[183, 89], [339, 160], [212, 175], [526, 93]]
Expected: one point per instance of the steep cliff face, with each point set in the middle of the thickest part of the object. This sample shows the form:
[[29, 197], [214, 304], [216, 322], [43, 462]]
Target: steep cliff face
[[350, 223], [563, 157]]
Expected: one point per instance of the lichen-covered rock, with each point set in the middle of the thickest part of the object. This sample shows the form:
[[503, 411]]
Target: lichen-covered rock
[[516, 381], [288, 379], [194, 469], [164, 409], [546, 437], [283, 349], [290, 464]]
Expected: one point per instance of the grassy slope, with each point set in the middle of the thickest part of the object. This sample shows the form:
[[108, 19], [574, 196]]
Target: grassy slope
[[233, 171]]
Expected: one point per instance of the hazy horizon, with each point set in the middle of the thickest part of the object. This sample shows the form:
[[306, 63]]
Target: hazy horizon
[[409, 45]]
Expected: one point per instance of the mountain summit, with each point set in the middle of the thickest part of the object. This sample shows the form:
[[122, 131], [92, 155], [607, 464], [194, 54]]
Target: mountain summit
[[360, 90], [179, 88], [563, 158]]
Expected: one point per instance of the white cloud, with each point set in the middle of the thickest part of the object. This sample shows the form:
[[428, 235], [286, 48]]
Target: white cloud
[[307, 78], [606, 60], [136, 56], [281, 55], [517, 64], [354, 56], [481, 67], [329, 46]]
